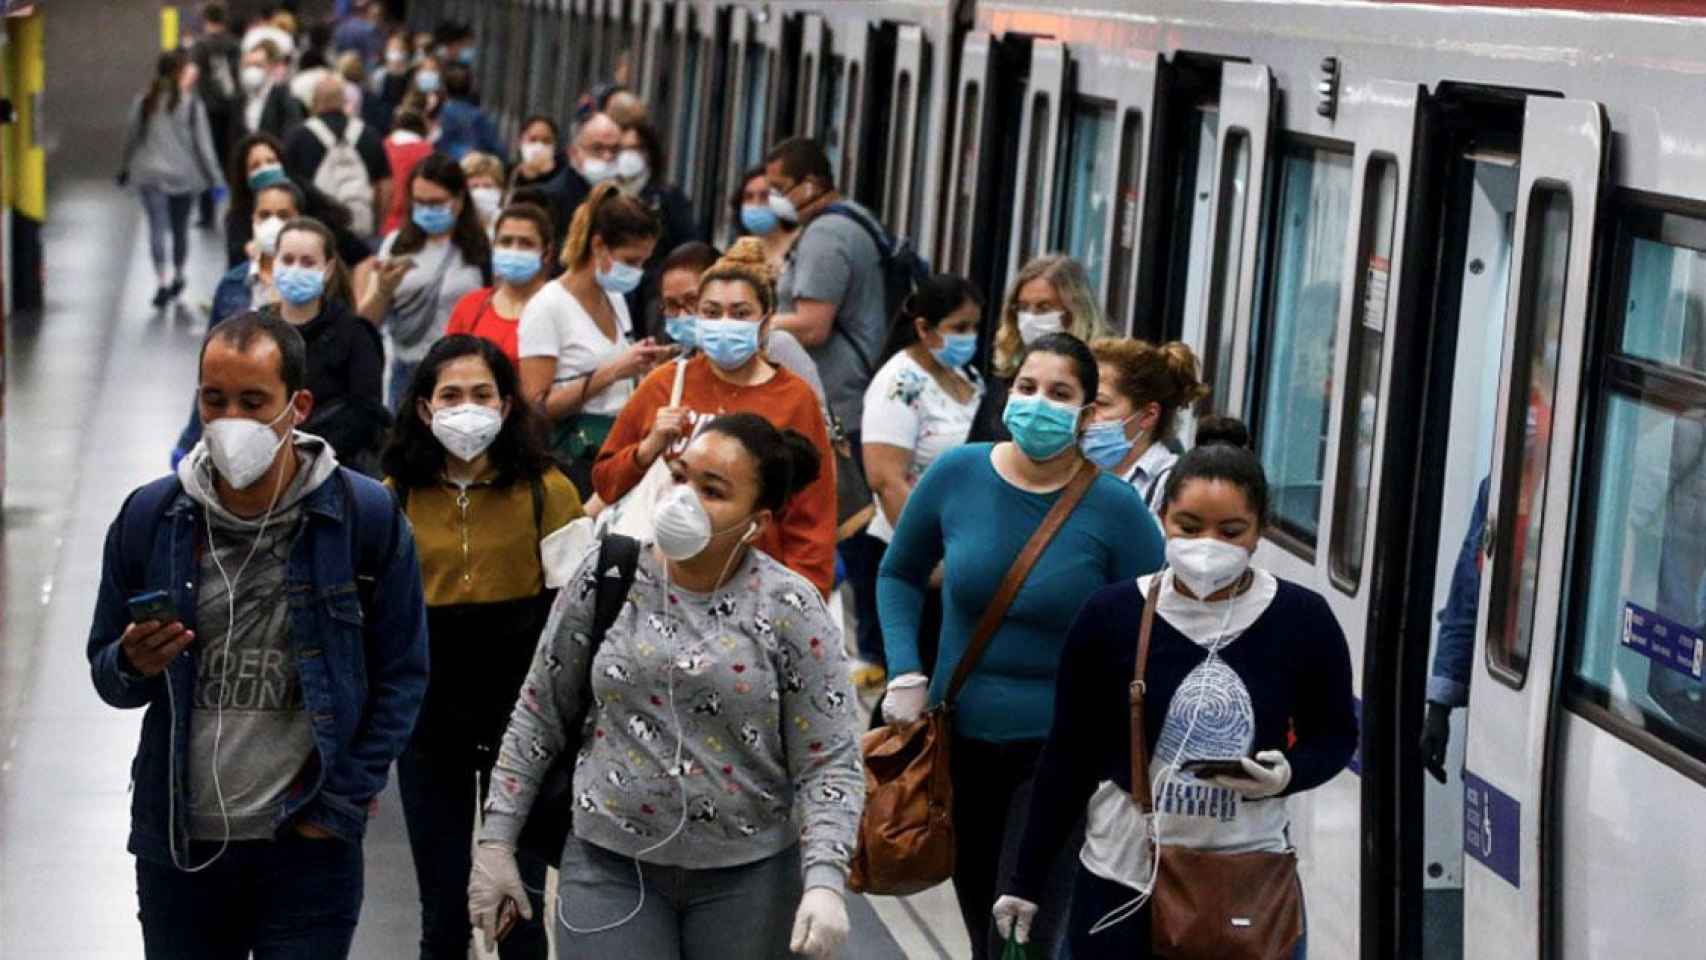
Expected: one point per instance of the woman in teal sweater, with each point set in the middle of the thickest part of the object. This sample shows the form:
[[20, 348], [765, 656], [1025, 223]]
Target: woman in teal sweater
[[973, 511]]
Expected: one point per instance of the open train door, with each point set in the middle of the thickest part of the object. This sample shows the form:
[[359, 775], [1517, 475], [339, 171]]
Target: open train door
[[1513, 697]]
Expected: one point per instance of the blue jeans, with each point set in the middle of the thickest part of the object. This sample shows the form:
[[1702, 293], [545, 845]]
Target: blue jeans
[[438, 806], [402, 372], [167, 213], [287, 899], [1093, 898]]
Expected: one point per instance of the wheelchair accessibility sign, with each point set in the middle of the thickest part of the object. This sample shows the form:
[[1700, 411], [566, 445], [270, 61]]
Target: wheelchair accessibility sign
[[1492, 828]]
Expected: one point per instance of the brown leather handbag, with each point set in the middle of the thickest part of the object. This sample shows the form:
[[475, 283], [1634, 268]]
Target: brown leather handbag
[[906, 834], [1207, 905]]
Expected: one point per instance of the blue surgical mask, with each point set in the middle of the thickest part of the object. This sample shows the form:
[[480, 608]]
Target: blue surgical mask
[[516, 266], [434, 219], [299, 285], [262, 177], [621, 279], [729, 343], [1041, 427], [426, 81], [465, 56], [956, 351], [759, 220], [1105, 443], [683, 329]]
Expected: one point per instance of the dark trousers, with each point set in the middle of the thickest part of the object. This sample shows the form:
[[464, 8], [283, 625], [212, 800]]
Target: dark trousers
[[862, 555], [286, 899], [992, 798], [438, 807], [1094, 898], [168, 220]]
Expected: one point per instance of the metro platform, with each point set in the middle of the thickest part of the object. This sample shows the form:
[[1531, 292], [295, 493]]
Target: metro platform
[[97, 385]]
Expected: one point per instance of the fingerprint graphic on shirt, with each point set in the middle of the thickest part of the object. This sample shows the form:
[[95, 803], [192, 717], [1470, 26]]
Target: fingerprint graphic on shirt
[[1214, 705]]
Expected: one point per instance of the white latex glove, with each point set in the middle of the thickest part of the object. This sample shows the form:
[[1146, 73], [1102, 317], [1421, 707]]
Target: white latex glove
[[494, 880], [820, 926], [1266, 776], [1014, 914], [906, 697]]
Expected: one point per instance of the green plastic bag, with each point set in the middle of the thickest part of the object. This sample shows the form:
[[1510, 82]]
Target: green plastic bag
[[1014, 950]]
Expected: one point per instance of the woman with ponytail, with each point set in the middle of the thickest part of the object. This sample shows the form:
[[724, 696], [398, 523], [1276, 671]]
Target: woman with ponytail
[[169, 157], [1134, 432], [729, 374], [578, 359]]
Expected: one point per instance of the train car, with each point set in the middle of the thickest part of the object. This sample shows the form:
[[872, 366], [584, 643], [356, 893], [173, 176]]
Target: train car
[[1418, 247]]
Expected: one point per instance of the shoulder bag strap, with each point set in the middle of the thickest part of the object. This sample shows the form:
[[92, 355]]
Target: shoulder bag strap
[[1140, 787], [1016, 574]]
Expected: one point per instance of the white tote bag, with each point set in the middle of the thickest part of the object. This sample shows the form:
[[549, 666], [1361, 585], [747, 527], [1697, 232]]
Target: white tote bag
[[631, 516]]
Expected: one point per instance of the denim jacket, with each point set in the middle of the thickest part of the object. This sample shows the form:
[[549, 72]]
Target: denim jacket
[[1449, 683], [362, 683]]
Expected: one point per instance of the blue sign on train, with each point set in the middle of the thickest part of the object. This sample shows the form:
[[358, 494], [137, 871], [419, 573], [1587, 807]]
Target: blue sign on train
[[1492, 828], [1664, 641]]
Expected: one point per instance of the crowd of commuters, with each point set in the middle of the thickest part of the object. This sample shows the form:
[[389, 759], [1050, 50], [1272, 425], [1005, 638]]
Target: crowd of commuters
[[435, 356]]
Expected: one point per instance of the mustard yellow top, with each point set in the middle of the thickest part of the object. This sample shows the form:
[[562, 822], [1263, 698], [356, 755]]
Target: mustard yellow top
[[482, 545]]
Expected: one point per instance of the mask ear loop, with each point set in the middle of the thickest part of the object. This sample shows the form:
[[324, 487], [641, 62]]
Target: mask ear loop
[[219, 705]]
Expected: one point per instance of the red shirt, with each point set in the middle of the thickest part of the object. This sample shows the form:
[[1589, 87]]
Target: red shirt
[[476, 315], [403, 157]]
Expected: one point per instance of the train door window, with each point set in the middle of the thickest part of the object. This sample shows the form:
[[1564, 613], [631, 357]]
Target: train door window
[[1194, 195], [1640, 612], [1125, 197], [1362, 389], [833, 112], [899, 147], [757, 101], [1221, 293], [1303, 264], [1534, 384], [1035, 217], [965, 190], [687, 154], [1090, 176], [920, 129]]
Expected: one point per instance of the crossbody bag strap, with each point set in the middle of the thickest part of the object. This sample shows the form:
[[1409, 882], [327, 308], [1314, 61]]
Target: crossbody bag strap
[[1141, 791], [1016, 574]]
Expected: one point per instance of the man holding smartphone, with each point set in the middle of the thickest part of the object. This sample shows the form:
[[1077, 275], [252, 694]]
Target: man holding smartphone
[[264, 606]]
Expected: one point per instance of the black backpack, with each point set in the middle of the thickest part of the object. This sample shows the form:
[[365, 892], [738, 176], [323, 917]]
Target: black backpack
[[903, 270]]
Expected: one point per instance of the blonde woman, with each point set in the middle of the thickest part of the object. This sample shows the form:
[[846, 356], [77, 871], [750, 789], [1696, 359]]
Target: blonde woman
[[485, 184], [1051, 294]]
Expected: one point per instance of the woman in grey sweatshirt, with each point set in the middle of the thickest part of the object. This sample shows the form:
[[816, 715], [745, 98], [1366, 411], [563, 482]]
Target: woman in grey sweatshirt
[[718, 782], [169, 157]]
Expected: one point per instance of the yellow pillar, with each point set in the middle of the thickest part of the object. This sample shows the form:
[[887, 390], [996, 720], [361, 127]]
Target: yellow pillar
[[25, 162], [168, 28]]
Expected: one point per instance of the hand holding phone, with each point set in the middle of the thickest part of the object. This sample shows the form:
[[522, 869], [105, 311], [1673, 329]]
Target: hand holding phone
[[155, 635], [1205, 768], [508, 914]]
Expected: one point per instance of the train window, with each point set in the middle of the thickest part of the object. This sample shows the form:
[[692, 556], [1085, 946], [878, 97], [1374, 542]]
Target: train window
[[1362, 387], [898, 165], [1125, 222], [832, 114], [757, 101], [687, 155], [1193, 202], [920, 129], [1534, 386], [1303, 266], [1228, 252], [1641, 610], [1034, 213], [1090, 184], [965, 200]]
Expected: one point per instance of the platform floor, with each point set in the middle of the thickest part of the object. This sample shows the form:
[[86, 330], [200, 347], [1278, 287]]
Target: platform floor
[[96, 386]]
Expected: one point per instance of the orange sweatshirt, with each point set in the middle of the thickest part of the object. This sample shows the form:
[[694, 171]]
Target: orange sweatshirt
[[803, 538]]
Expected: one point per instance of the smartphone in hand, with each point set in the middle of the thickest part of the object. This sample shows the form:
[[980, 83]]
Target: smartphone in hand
[[508, 915], [156, 606], [1219, 767]]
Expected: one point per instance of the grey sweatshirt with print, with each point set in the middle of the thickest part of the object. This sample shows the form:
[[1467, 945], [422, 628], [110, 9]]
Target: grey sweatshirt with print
[[750, 681]]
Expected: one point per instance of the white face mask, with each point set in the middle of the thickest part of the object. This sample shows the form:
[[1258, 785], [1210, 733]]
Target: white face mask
[[597, 171], [487, 200], [253, 78], [682, 527], [630, 164], [1035, 326], [243, 449], [467, 429], [536, 154], [266, 235], [1206, 565]]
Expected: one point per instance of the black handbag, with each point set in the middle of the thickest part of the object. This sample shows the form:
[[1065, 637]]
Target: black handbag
[[551, 817]]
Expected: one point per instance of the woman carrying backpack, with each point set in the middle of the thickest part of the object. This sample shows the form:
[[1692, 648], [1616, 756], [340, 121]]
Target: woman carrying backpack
[[481, 493], [974, 511], [169, 157]]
